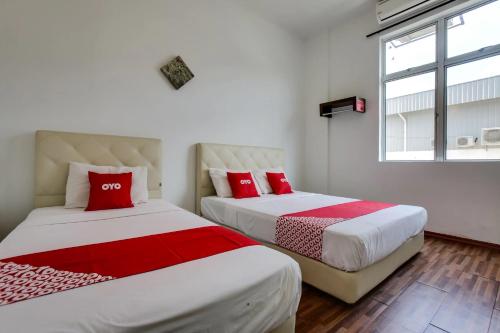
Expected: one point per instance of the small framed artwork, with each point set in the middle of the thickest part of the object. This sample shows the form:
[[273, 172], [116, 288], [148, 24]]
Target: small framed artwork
[[177, 72]]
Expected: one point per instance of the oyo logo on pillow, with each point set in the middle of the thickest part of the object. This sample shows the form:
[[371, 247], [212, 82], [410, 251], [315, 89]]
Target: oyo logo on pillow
[[245, 182], [283, 180], [111, 186]]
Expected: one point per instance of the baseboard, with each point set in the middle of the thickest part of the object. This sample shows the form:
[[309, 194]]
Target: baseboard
[[462, 240]]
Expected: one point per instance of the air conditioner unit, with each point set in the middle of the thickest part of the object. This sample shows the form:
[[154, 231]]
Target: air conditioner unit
[[390, 10], [465, 141], [490, 136]]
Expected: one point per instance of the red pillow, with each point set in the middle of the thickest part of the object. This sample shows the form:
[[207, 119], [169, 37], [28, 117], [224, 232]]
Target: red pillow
[[279, 183], [109, 190], [242, 185]]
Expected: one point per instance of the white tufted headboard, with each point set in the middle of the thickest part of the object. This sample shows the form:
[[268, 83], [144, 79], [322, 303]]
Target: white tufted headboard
[[212, 155], [54, 151]]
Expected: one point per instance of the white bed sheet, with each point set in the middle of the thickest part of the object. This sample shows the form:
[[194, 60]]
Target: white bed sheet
[[252, 289], [350, 245]]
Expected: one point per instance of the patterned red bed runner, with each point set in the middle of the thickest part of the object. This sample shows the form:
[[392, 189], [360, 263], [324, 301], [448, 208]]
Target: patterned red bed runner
[[302, 232], [44, 273]]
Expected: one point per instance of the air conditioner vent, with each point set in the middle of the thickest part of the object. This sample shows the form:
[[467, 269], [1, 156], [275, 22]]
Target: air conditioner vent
[[490, 136], [465, 141]]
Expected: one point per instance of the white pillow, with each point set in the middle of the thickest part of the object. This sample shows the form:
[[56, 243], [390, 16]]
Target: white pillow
[[78, 186], [261, 177], [221, 184]]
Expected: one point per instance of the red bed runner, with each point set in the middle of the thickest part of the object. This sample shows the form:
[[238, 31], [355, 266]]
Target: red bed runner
[[44, 273], [302, 232]]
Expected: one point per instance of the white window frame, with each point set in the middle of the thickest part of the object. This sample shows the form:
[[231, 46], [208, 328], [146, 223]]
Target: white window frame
[[439, 67]]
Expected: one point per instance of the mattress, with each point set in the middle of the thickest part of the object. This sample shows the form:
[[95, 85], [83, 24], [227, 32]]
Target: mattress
[[251, 289], [350, 245]]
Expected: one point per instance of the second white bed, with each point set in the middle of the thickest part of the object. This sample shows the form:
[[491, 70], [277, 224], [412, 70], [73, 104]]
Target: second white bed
[[350, 245]]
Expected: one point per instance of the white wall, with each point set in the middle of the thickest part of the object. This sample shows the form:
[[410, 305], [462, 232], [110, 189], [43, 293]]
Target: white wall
[[93, 66], [316, 127], [462, 199]]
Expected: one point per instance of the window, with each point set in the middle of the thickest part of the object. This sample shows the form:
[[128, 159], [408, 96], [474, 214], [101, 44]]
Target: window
[[441, 89]]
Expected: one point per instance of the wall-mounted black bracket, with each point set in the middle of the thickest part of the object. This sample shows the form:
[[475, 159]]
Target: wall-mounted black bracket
[[329, 109]]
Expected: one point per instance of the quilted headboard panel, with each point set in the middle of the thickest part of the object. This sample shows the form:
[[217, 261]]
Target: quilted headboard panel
[[54, 151], [211, 155]]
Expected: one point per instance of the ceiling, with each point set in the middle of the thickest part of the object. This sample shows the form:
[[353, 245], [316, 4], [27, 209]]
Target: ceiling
[[305, 17]]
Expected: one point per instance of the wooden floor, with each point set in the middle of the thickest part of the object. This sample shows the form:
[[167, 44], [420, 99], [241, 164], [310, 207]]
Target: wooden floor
[[448, 287]]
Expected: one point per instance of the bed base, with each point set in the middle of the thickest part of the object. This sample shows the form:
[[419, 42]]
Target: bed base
[[351, 286]]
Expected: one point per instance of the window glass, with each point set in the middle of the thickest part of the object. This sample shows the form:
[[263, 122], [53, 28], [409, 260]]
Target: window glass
[[411, 50], [473, 110], [474, 30], [409, 118]]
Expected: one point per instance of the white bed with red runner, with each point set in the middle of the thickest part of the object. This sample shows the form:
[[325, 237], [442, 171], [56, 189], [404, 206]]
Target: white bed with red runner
[[245, 288], [355, 235]]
